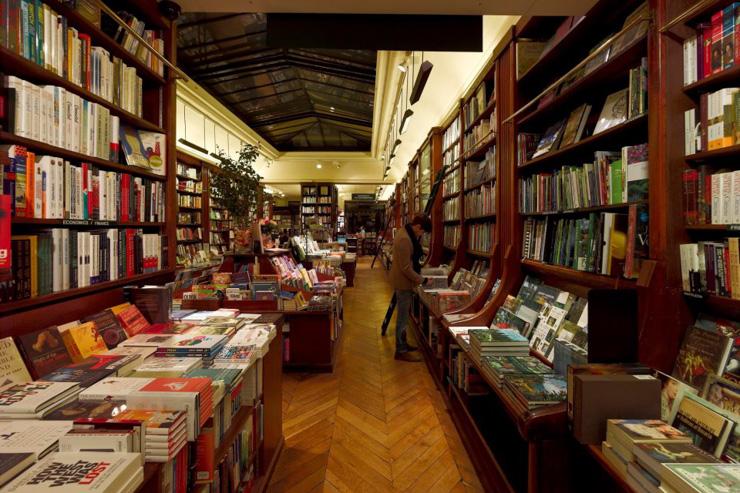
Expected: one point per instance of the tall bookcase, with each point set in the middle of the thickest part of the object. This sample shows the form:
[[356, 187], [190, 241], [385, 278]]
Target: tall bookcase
[[154, 112], [452, 202], [191, 237], [319, 204]]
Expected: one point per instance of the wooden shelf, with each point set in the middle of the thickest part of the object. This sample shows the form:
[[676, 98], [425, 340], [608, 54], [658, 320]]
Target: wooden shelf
[[477, 253], [450, 196], [583, 210], [726, 228], [42, 148], [82, 223], [451, 221], [186, 208], [190, 241], [481, 147], [38, 301], [722, 153], [728, 307], [588, 279], [482, 217], [616, 135], [483, 115], [183, 177], [601, 79], [99, 38], [727, 77], [595, 451], [486, 182], [188, 192], [25, 69]]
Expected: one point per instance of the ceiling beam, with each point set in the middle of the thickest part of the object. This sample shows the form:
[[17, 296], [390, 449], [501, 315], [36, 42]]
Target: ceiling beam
[[328, 116], [208, 20], [224, 56], [227, 39], [265, 96]]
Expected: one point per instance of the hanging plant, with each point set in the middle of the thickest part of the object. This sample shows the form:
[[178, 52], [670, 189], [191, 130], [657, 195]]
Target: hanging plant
[[236, 186]]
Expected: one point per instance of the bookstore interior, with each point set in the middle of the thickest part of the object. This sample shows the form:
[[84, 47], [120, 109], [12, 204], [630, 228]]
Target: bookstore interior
[[198, 203]]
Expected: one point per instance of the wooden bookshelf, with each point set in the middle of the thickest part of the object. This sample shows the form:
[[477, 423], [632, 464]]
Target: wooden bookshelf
[[191, 186], [157, 115], [315, 198]]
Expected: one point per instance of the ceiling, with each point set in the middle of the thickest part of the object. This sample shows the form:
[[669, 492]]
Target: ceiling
[[466, 7], [297, 99]]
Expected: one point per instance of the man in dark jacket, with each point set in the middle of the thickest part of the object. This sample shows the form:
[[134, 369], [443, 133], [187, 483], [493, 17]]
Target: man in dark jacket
[[405, 277]]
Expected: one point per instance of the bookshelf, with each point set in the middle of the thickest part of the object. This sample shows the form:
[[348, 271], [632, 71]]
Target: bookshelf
[[220, 224], [117, 202], [191, 242], [452, 202], [319, 205]]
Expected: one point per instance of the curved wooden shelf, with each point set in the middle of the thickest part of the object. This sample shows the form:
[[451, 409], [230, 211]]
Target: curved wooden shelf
[[25, 69], [728, 307], [600, 80], [588, 279], [40, 147], [732, 152], [450, 221], [618, 134], [38, 301]]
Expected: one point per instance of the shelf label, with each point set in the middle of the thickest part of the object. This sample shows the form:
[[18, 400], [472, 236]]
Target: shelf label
[[733, 227], [76, 222]]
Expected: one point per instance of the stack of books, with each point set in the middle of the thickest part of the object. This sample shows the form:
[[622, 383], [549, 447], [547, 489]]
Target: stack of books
[[166, 367], [93, 369], [34, 400], [497, 342], [166, 432], [193, 395], [116, 388], [537, 390], [78, 472], [498, 368], [38, 438], [186, 345]]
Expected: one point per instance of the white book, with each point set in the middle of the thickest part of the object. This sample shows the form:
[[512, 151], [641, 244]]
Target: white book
[[38, 183], [45, 168], [59, 184], [160, 365], [689, 128], [35, 93], [31, 436], [716, 202], [726, 208], [113, 241], [77, 122], [65, 259], [117, 388], [81, 440], [146, 340], [735, 197], [33, 397], [79, 472]]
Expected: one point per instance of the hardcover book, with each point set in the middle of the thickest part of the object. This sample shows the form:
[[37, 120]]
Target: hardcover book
[[44, 351], [157, 422], [132, 321], [614, 111], [502, 366], [623, 434], [12, 367], [703, 478], [702, 352], [652, 456], [77, 409], [113, 388], [497, 337], [78, 472], [537, 390], [30, 436], [12, 464], [33, 398], [550, 140], [82, 341], [710, 429], [108, 327]]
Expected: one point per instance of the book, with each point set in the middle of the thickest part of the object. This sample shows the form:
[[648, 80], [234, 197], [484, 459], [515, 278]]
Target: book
[[82, 341], [132, 321], [12, 367], [575, 125], [703, 478], [29, 436], [191, 345], [502, 366], [550, 139], [78, 409], [166, 367], [157, 422], [77, 472], [34, 399], [12, 464], [146, 341], [114, 388], [670, 390], [702, 352], [652, 456], [624, 434], [613, 112], [43, 350], [537, 390], [710, 429], [108, 327]]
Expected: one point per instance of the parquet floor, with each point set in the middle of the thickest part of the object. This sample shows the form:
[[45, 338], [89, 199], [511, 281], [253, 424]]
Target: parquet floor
[[375, 424]]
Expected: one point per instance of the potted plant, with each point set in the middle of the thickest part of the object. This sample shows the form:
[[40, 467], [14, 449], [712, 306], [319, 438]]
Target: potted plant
[[235, 187]]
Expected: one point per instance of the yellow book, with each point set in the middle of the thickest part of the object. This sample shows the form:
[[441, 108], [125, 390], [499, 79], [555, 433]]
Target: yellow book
[[119, 308], [734, 244], [83, 341], [34, 261]]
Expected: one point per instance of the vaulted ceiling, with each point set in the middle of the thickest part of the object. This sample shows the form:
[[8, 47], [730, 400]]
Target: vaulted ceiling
[[297, 99]]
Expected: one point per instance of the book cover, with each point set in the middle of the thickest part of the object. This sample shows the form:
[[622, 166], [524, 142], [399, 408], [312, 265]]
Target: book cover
[[12, 367], [157, 422], [113, 388], [30, 436], [708, 427], [146, 340], [82, 341], [538, 389], [132, 147], [723, 393], [504, 365], [78, 472], [108, 327], [670, 390], [629, 431], [32, 397], [550, 139], [166, 366], [186, 343], [77, 409], [497, 337], [44, 351], [652, 455], [709, 478], [573, 125], [613, 112], [154, 147], [132, 320], [702, 352], [12, 464]]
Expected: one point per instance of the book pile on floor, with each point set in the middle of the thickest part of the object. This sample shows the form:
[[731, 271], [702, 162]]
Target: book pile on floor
[[146, 393]]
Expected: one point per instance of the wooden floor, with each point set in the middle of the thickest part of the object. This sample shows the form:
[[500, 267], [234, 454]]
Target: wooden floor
[[375, 424]]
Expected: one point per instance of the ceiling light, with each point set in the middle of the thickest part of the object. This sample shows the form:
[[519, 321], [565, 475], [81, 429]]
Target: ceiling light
[[406, 121], [332, 109], [401, 67], [421, 81], [318, 165]]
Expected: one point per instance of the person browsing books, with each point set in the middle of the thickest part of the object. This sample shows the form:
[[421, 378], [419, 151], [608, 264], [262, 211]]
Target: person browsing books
[[405, 277]]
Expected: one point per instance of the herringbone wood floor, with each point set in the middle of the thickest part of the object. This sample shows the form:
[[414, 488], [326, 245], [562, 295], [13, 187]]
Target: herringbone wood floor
[[375, 424]]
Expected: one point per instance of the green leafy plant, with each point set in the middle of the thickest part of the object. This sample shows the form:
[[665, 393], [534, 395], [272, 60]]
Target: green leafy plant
[[236, 186]]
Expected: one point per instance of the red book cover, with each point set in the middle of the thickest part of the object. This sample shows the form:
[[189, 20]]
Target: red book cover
[[205, 454], [716, 48], [737, 33], [5, 213], [86, 44], [95, 202], [130, 267], [706, 47], [132, 321], [196, 385]]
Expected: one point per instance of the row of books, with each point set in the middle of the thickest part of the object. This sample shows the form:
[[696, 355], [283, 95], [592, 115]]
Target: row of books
[[451, 209], [451, 236], [711, 197], [321, 191], [189, 186], [451, 183], [481, 201], [189, 218], [613, 178], [481, 236], [483, 96], [480, 134], [317, 210], [605, 243], [713, 48], [477, 173], [191, 201], [187, 172], [47, 187], [317, 200], [38, 33], [59, 259], [131, 44], [220, 215], [711, 267], [191, 254], [189, 233], [452, 134], [714, 124]]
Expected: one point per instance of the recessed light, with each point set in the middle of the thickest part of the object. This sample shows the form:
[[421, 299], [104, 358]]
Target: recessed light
[[318, 165]]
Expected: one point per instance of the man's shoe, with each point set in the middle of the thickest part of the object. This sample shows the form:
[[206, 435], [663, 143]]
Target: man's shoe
[[407, 356]]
